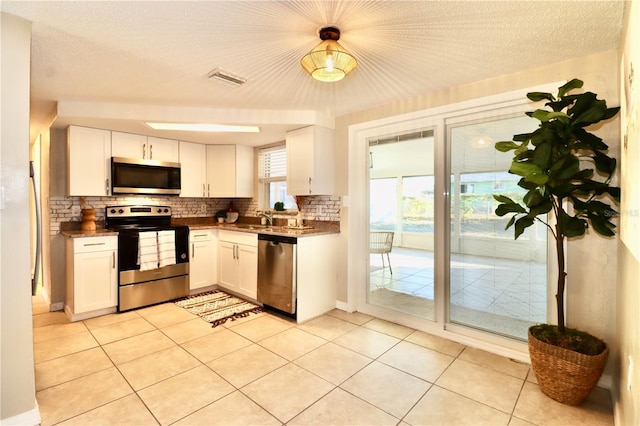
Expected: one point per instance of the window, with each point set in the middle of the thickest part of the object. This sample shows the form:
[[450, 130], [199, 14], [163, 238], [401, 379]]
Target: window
[[383, 211], [272, 177], [417, 204]]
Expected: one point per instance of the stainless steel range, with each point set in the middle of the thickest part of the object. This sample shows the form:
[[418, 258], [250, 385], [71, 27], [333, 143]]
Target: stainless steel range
[[153, 255]]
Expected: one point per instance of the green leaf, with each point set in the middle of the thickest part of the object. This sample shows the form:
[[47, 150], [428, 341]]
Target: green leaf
[[564, 189], [510, 223], [542, 155], [582, 103], [582, 175], [543, 208], [601, 226], [504, 209], [591, 115], [544, 116], [506, 146], [522, 224], [588, 141], [614, 191], [522, 183], [524, 169], [573, 226], [532, 198], [596, 206], [503, 199], [611, 112], [561, 104], [522, 137], [570, 166], [604, 163], [540, 96], [569, 86]]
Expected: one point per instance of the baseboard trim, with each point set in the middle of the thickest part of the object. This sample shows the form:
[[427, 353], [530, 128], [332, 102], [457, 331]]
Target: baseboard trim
[[343, 306], [58, 306], [31, 417]]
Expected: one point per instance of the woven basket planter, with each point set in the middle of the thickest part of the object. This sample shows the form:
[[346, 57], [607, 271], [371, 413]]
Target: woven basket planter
[[564, 375]]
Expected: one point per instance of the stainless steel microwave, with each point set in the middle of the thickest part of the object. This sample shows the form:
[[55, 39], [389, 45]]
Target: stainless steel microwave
[[135, 176]]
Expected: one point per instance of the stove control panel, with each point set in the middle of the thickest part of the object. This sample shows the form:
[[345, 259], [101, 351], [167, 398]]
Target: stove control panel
[[138, 211]]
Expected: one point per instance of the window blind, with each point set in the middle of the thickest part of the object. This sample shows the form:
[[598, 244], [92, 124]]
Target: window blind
[[272, 163]]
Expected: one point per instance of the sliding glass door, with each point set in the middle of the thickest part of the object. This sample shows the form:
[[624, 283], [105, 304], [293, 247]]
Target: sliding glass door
[[401, 213], [437, 257], [496, 283]]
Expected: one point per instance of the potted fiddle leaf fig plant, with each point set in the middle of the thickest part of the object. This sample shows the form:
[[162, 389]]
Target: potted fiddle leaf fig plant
[[567, 174]]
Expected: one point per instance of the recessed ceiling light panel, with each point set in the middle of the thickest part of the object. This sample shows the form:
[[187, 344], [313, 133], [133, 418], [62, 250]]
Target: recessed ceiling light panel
[[204, 127]]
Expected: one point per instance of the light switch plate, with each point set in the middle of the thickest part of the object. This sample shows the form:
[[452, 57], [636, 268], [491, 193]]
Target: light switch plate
[[75, 210]]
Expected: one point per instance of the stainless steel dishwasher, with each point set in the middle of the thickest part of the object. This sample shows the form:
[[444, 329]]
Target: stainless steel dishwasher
[[277, 272]]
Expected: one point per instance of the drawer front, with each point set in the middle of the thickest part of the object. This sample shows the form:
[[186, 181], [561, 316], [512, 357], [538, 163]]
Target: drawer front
[[245, 238], [202, 235], [89, 244]]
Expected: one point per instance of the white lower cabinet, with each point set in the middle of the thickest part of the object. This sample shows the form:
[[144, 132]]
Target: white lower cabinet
[[91, 276], [238, 262], [203, 249], [317, 275]]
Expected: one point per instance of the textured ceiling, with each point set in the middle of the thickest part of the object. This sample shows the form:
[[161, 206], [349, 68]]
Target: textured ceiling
[[102, 59]]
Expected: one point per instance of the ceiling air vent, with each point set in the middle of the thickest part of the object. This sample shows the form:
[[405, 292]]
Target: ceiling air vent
[[226, 78]]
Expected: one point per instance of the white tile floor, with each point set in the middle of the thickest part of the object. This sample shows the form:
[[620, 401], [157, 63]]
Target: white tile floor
[[502, 295], [160, 365]]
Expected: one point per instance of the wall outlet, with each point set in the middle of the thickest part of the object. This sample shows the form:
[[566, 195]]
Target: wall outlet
[[75, 210], [203, 208]]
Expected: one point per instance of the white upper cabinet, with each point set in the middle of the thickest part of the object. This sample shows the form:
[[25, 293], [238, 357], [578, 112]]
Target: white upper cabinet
[[88, 161], [193, 165], [230, 171], [161, 149], [129, 145], [310, 169]]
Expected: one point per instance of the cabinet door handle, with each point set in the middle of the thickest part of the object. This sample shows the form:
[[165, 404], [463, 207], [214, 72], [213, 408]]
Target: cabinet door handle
[[309, 185], [203, 193], [235, 251], [93, 244], [150, 152], [208, 190], [106, 186], [144, 151], [113, 258], [193, 250]]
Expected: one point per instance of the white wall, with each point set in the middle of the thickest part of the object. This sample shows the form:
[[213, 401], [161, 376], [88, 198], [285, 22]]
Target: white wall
[[626, 346], [18, 403]]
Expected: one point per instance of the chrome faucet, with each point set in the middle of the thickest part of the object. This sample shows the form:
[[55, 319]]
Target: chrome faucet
[[268, 216]]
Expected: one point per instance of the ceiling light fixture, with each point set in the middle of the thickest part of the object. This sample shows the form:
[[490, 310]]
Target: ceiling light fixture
[[328, 61], [203, 127]]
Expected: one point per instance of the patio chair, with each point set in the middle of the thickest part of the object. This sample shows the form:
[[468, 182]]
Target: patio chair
[[381, 242]]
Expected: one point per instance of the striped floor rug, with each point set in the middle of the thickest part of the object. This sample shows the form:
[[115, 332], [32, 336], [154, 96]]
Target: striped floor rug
[[216, 307]]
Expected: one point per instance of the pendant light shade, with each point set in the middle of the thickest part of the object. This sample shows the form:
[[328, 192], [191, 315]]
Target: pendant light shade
[[328, 61]]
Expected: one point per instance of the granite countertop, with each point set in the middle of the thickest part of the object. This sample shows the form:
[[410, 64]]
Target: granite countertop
[[307, 231], [99, 232], [315, 228]]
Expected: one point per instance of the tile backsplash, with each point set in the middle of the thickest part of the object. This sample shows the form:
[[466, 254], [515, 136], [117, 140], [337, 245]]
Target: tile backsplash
[[319, 207]]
